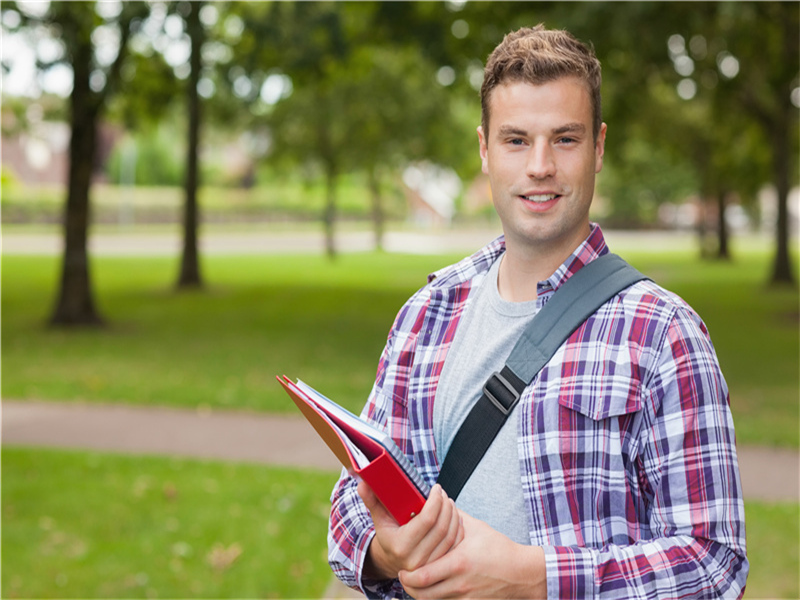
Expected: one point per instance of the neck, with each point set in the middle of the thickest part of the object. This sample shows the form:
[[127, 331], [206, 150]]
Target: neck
[[518, 279], [524, 266]]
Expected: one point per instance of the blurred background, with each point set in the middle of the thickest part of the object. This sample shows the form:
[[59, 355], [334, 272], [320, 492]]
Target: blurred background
[[198, 196]]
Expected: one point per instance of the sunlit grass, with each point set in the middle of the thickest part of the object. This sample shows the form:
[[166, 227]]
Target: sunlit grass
[[91, 525], [773, 549], [326, 322], [262, 316]]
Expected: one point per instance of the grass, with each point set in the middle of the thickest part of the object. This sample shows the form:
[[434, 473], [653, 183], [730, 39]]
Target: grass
[[263, 316], [93, 525], [84, 524], [279, 198], [773, 548], [327, 322]]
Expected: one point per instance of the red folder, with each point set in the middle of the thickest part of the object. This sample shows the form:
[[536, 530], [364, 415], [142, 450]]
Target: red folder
[[364, 450]]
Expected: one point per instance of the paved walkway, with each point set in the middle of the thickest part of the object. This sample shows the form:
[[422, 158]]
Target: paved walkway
[[462, 240], [768, 474]]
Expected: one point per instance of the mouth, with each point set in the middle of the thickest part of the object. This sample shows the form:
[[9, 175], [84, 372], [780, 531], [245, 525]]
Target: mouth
[[540, 198]]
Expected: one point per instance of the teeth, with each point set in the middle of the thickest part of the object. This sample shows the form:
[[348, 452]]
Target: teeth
[[541, 197]]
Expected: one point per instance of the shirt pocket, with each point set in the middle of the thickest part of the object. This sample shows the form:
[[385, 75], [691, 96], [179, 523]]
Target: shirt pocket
[[597, 454], [602, 397]]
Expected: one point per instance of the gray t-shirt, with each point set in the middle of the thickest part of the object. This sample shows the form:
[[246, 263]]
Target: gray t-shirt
[[487, 331]]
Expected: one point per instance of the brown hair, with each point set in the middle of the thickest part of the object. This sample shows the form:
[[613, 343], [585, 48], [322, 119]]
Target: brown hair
[[538, 55]]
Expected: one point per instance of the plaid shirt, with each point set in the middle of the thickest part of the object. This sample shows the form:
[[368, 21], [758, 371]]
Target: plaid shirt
[[627, 450]]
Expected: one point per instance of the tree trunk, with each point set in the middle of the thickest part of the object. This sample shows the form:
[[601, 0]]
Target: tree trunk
[[701, 227], [189, 276], [329, 215], [377, 208], [75, 304], [723, 234], [781, 157]]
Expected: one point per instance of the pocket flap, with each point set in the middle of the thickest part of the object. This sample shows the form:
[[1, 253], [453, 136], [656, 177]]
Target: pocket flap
[[608, 397]]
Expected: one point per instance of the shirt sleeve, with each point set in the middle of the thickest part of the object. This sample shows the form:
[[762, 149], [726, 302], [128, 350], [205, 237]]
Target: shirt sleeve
[[688, 472], [349, 536]]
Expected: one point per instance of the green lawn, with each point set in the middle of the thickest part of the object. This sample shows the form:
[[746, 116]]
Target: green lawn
[[80, 524], [327, 322], [773, 548], [91, 525], [262, 316]]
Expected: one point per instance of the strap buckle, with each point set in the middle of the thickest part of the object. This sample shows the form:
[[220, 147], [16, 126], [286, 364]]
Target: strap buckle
[[501, 393]]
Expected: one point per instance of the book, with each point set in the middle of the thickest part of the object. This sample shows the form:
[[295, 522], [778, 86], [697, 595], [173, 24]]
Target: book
[[364, 450]]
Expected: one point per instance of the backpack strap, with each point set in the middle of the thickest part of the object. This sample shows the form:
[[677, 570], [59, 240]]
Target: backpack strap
[[574, 302]]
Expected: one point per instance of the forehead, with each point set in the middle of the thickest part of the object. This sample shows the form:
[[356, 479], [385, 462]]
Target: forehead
[[563, 99]]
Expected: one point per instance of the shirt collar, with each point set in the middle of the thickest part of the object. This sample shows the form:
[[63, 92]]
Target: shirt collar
[[594, 246], [591, 248], [468, 268]]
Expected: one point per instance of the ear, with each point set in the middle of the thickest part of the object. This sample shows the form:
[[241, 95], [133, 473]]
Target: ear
[[484, 150], [600, 148]]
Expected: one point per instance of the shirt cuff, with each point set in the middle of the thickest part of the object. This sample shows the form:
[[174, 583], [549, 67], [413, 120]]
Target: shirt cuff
[[372, 588], [570, 572], [360, 557]]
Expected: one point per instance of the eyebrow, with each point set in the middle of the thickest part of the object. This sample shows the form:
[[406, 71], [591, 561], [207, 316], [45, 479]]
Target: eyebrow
[[577, 128], [507, 130]]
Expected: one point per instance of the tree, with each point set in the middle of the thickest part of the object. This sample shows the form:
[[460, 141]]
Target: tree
[[364, 96], [768, 58], [82, 27], [396, 113], [734, 63], [189, 276], [170, 69], [737, 64]]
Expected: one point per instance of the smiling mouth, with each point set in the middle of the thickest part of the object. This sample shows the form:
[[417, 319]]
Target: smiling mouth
[[541, 198]]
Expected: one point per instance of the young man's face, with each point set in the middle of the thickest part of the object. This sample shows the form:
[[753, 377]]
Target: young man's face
[[541, 159]]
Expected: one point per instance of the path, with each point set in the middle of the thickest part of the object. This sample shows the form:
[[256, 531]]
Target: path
[[768, 474], [460, 240]]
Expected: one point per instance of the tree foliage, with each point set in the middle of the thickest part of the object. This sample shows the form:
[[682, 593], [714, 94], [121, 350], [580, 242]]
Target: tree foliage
[[698, 96], [357, 104]]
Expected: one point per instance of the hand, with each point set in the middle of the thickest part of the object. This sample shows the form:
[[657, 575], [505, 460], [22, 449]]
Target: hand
[[486, 564], [427, 537]]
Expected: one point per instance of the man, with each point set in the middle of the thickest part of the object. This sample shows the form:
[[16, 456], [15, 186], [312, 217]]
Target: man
[[616, 474]]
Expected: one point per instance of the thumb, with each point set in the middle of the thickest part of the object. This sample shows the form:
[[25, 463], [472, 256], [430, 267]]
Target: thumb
[[380, 516]]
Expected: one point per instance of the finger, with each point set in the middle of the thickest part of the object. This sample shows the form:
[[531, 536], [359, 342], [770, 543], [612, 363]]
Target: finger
[[426, 530], [454, 535], [380, 516], [429, 581], [461, 530], [367, 495], [441, 535], [421, 524]]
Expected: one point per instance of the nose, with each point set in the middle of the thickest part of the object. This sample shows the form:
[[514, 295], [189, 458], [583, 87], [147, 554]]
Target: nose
[[541, 163]]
